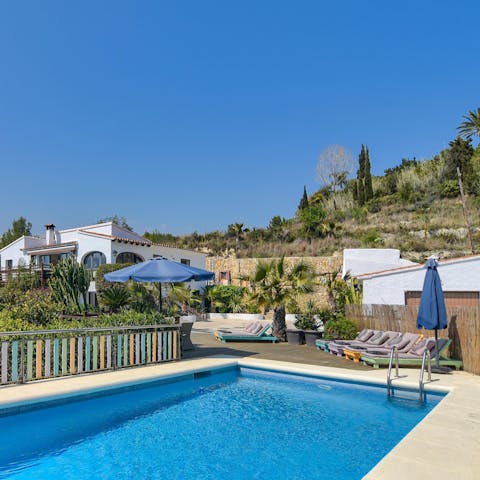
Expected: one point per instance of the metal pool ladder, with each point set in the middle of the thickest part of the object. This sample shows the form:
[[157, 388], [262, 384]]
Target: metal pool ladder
[[426, 359], [426, 363], [393, 353]]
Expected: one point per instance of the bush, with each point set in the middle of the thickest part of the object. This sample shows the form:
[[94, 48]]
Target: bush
[[341, 328], [449, 189], [371, 238], [35, 307], [100, 282], [359, 214]]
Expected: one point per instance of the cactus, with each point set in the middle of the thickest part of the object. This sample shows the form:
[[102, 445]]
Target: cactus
[[69, 284]]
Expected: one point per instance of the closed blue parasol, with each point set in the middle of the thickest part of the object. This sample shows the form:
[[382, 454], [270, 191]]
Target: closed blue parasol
[[159, 270], [432, 313]]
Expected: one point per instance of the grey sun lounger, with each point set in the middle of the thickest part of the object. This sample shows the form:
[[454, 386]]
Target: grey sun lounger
[[254, 332], [415, 356], [377, 339], [363, 336], [387, 341], [404, 344]]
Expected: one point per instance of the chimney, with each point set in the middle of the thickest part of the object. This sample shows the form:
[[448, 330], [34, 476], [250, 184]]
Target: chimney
[[50, 234]]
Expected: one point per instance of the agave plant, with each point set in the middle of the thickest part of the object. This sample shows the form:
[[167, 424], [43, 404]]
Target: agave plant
[[114, 297], [69, 284]]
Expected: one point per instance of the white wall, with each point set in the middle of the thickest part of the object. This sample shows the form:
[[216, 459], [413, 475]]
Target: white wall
[[460, 275], [358, 261], [14, 252]]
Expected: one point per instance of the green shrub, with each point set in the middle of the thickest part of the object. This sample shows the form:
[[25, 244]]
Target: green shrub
[[371, 238], [114, 297], [308, 320], [35, 307], [449, 189], [359, 214], [100, 282], [341, 328]]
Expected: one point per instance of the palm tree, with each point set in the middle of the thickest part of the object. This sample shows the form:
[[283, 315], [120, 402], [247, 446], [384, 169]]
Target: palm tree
[[471, 125], [273, 286], [237, 230]]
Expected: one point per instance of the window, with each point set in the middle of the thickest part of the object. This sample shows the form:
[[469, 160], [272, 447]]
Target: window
[[44, 259], [185, 261], [9, 264], [94, 259], [128, 257]]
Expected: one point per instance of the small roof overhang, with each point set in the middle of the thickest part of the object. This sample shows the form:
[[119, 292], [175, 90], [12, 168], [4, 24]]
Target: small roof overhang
[[52, 249]]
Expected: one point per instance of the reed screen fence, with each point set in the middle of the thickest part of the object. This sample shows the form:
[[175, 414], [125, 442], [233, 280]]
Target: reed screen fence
[[463, 327], [36, 355]]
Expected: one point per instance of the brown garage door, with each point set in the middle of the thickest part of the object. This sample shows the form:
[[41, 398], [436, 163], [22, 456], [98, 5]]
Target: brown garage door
[[452, 299]]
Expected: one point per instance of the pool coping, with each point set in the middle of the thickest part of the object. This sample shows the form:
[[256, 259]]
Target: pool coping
[[450, 431]]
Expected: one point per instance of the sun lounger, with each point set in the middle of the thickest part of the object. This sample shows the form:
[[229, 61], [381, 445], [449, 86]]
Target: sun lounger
[[388, 340], [254, 332], [379, 338], [415, 356], [404, 344], [363, 336]]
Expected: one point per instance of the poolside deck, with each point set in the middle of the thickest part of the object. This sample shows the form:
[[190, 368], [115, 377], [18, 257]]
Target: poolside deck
[[206, 346]]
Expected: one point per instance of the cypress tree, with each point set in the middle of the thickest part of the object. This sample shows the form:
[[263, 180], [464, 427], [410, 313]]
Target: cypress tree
[[368, 177], [361, 177], [354, 190], [304, 201]]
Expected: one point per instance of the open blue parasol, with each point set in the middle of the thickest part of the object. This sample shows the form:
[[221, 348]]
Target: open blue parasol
[[159, 270]]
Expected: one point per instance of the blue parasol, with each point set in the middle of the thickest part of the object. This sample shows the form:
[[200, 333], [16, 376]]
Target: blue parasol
[[159, 270], [432, 313]]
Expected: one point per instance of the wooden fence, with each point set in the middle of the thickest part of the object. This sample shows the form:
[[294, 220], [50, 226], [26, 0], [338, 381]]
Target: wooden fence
[[463, 327], [35, 355]]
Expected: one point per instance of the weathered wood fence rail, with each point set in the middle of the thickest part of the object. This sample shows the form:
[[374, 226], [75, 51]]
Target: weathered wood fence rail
[[463, 327], [35, 355]]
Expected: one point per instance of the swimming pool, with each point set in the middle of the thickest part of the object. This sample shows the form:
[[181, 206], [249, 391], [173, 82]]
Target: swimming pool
[[235, 423]]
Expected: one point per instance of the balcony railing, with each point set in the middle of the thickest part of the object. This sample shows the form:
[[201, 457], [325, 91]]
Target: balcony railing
[[36, 355]]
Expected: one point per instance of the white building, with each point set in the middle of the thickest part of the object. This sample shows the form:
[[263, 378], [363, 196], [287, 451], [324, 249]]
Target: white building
[[460, 279], [92, 245], [359, 261]]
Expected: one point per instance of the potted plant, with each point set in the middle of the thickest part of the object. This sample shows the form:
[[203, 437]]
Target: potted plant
[[296, 336], [310, 323]]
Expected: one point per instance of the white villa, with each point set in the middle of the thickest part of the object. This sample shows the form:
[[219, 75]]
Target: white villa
[[92, 245]]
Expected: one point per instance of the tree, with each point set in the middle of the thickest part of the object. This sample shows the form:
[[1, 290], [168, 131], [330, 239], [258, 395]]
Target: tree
[[20, 227], [120, 221], [304, 201], [334, 166], [460, 155], [237, 230], [471, 125], [367, 177], [361, 177], [273, 286], [312, 219]]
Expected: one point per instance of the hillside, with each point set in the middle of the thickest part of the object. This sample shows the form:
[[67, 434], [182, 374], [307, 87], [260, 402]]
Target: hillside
[[415, 207]]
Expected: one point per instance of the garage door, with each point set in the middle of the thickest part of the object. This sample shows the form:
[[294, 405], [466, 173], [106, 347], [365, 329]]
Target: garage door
[[452, 299]]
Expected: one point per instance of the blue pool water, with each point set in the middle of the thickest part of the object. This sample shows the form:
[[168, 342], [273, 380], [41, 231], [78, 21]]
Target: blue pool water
[[234, 424]]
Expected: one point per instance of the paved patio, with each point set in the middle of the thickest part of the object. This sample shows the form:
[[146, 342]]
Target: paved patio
[[206, 346]]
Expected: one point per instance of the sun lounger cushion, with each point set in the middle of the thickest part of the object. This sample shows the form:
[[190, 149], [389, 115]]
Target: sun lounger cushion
[[364, 335], [420, 348], [251, 327]]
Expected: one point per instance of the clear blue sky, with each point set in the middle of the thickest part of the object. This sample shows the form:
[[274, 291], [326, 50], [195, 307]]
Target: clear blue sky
[[189, 115]]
